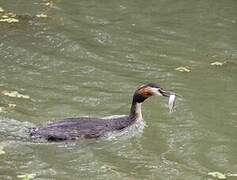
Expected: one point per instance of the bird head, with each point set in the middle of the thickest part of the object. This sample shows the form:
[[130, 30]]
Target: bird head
[[147, 90]]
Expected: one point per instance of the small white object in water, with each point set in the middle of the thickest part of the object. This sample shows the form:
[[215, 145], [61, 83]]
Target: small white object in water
[[171, 102], [183, 69], [218, 63], [217, 175], [26, 176], [1, 10], [42, 15], [15, 94]]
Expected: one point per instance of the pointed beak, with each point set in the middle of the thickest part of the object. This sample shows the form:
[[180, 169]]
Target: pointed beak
[[165, 93]]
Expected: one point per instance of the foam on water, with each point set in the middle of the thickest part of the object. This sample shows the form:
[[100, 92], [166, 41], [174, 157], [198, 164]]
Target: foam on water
[[11, 129], [135, 129]]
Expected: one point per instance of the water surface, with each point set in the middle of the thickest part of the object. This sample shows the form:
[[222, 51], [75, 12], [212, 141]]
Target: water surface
[[87, 58]]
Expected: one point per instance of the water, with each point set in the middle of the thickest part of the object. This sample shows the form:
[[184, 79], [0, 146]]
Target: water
[[87, 58]]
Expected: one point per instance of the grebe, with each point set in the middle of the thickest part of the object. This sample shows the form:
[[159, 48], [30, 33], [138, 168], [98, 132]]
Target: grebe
[[89, 127]]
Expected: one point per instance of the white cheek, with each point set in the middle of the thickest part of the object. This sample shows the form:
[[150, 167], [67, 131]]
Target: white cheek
[[156, 92]]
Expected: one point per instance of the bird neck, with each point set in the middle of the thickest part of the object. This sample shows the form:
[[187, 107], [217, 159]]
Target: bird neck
[[136, 111], [136, 108]]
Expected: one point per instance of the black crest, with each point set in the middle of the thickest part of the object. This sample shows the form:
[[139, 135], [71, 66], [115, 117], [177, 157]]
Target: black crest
[[154, 85]]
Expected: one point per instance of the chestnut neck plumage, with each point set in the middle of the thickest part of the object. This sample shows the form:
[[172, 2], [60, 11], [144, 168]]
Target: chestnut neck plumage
[[136, 110]]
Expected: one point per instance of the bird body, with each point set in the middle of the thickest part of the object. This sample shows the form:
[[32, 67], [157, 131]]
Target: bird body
[[89, 127]]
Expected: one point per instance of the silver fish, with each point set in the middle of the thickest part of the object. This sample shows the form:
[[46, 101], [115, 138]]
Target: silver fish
[[171, 102]]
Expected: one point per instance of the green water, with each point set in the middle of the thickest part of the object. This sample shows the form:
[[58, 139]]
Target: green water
[[88, 57]]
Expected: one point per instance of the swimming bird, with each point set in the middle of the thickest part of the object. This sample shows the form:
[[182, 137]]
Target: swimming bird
[[90, 127]]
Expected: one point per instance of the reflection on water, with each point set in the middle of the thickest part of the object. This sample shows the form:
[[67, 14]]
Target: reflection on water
[[87, 57]]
